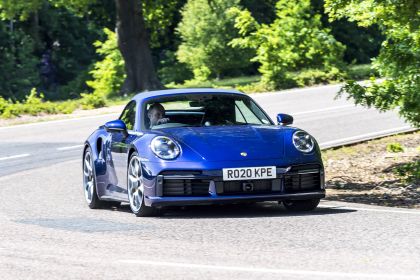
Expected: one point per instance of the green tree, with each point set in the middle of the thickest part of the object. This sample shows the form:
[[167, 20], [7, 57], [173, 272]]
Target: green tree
[[17, 63], [72, 51], [205, 30], [362, 43], [108, 73], [293, 41], [61, 34], [399, 59], [264, 11], [133, 37]]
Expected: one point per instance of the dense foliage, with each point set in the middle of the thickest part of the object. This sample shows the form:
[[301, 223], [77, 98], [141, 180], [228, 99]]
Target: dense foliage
[[54, 61], [295, 40], [205, 31], [108, 74], [70, 50], [399, 59], [17, 62]]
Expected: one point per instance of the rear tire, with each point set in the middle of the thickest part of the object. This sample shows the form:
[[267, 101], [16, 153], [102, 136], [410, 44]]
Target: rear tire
[[135, 188], [301, 205]]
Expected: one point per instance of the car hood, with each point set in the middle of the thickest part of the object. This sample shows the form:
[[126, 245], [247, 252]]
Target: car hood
[[221, 143]]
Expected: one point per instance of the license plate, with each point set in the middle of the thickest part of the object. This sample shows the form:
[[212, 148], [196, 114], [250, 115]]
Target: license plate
[[247, 173]]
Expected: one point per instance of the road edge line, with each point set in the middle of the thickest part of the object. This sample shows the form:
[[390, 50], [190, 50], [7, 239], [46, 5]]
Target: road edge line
[[365, 137]]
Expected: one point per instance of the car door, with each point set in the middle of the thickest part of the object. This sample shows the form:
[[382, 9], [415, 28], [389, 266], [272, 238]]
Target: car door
[[120, 143]]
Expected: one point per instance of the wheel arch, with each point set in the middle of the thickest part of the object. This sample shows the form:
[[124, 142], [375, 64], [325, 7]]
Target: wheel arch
[[130, 152], [98, 147], [85, 148]]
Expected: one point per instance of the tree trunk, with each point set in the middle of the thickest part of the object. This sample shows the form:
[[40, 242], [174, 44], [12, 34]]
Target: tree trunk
[[133, 42]]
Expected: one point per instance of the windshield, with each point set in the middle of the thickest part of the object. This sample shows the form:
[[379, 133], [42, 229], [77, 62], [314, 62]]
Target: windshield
[[202, 110]]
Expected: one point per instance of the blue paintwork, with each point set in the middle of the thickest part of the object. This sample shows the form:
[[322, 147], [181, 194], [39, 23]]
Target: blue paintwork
[[202, 148], [284, 119], [116, 125]]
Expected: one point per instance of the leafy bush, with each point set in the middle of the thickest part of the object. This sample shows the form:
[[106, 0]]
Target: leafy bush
[[255, 87], [310, 77], [394, 148], [3, 105], [92, 100], [173, 71], [109, 73], [34, 105], [295, 40], [361, 72], [67, 107], [73, 89], [206, 30], [409, 171]]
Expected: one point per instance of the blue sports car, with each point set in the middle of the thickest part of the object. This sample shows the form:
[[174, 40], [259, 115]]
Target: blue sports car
[[200, 146]]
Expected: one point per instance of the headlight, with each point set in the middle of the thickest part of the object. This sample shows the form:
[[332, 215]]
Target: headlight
[[164, 147], [303, 141]]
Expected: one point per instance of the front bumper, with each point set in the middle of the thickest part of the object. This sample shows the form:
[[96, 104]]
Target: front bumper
[[206, 200], [299, 182]]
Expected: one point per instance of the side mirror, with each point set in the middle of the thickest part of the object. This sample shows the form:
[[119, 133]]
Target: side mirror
[[116, 126], [284, 119]]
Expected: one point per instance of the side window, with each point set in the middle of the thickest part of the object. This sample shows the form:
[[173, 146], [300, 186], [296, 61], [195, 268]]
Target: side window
[[239, 118], [259, 113], [245, 113], [128, 115]]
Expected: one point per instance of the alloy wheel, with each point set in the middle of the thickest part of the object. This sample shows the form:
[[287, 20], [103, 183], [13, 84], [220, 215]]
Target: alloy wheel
[[135, 185], [88, 180]]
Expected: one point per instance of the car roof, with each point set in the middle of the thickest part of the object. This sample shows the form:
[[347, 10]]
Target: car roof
[[167, 92]]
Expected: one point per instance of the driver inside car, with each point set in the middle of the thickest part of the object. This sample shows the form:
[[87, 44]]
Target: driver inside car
[[156, 113]]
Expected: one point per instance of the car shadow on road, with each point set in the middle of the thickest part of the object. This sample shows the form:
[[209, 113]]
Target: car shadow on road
[[255, 210]]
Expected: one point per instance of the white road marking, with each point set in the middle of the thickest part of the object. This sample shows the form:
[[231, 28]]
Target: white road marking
[[15, 156], [307, 89], [415, 212], [271, 270], [69, 148], [366, 136], [322, 110]]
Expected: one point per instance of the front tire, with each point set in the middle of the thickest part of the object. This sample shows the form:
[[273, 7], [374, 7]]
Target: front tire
[[135, 188], [301, 205], [89, 182]]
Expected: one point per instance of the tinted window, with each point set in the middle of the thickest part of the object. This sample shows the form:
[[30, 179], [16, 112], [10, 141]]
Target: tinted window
[[202, 110], [128, 115], [245, 114]]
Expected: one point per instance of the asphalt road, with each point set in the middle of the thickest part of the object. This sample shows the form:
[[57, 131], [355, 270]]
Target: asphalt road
[[47, 231]]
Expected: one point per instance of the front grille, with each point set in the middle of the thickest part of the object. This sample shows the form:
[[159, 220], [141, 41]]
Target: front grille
[[181, 187], [301, 182], [258, 187], [300, 178]]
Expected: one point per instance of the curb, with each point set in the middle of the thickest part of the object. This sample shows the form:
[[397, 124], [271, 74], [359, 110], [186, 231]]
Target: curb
[[360, 139]]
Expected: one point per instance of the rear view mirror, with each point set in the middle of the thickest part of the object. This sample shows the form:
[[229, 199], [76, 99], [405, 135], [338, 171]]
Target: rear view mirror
[[116, 126], [284, 119]]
